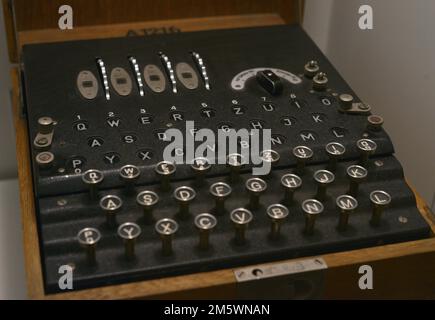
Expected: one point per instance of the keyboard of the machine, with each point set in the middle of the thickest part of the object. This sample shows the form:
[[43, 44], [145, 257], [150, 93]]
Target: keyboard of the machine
[[109, 206]]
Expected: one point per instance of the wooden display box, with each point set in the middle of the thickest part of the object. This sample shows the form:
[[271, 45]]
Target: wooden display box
[[403, 270]]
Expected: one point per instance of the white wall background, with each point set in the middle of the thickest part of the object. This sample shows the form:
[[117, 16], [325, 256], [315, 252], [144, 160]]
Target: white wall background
[[392, 67], [12, 277], [8, 167]]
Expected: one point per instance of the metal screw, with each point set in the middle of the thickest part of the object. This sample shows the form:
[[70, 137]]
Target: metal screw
[[45, 159], [379, 163], [320, 81], [403, 219], [62, 202], [311, 68], [72, 265], [42, 141]]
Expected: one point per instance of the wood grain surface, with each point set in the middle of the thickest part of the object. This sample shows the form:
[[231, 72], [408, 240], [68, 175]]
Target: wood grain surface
[[42, 15]]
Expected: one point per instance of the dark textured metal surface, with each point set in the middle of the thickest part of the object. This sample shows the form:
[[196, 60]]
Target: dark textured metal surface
[[63, 205]]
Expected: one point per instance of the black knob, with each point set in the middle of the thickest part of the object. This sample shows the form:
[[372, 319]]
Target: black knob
[[45, 159], [220, 191], [290, 182], [200, 167], [345, 100], [256, 187], [241, 218], [311, 69], [129, 174], [334, 150], [270, 82], [111, 205], [380, 200], [93, 178], [311, 208], [277, 213], [235, 162], [366, 148], [165, 170], [302, 154], [45, 125], [323, 178], [205, 223], [166, 228], [346, 205], [270, 157], [147, 200], [356, 174], [320, 81], [184, 196], [374, 122], [88, 239], [129, 232]]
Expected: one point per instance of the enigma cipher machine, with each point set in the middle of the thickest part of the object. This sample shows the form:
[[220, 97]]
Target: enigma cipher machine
[[110, 206]]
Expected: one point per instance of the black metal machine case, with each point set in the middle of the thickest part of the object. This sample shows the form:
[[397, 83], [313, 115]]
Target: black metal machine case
[[235, 99]]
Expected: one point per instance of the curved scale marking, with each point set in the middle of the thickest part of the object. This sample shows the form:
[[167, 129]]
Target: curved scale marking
[[239, 81]]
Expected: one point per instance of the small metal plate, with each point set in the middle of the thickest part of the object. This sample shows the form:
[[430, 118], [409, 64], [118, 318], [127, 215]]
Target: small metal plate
[[279, 269], [187, 75], [87, 84], [43, 141], [358, 108], [303, 279], [154, 78], [121, 81]]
